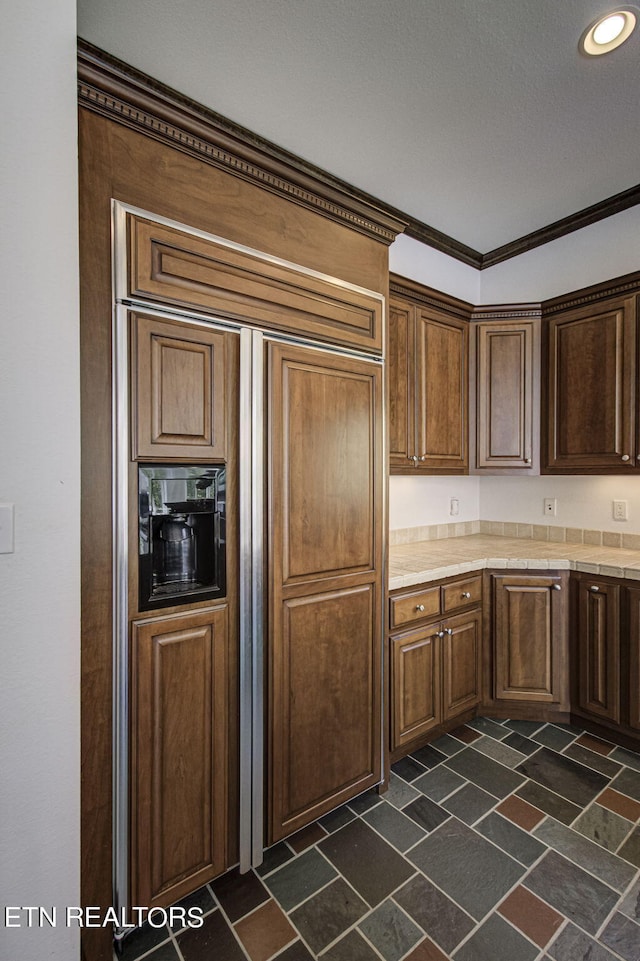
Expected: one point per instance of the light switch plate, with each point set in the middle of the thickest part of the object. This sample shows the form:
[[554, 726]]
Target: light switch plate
[[6, 528]]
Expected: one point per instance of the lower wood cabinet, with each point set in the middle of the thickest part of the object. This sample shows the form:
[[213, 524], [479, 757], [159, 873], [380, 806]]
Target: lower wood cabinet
[[179, 754], [598, 649], [633, 595], [529, 629]]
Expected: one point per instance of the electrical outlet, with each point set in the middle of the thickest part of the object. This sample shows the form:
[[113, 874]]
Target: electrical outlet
[[550, 506], [621, 510], [454, 507]]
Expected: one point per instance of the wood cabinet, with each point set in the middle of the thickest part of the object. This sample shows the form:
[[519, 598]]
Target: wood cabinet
[[529, 633], [178, 390], [325, 498], [435, 667], [179, 754], [506, 393], [598, 648], [428, 381], [633, 621], [592, 387]]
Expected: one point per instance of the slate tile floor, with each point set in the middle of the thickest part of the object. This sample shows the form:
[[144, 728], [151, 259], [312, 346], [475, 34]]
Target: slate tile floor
[[502, 841]]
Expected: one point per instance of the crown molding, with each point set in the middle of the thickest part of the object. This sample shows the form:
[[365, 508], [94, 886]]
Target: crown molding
[[425, 296], [515, 312], [113, 89], [109, 87], [618, 287]]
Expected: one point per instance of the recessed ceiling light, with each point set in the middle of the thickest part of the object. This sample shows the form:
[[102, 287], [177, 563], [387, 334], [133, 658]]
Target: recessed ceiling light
[[608, 32]]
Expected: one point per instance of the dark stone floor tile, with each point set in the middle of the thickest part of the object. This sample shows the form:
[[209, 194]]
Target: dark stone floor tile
[[352, 947], [265, 931], [590, 759], [446, 923], [274, 858], [142, 940], [630, 758], [499, 751], [371, 865], [200, 899], [399, 792], [296, 952], [630, 907], [511, 839], [532, 917], [300, 878], [166, 952], [390, 931], [603, 826], [428, 756], [337, 819], [628, 782], [487, 726], [526, 728], [399, 830], [239, 893], [549, 802], [521, 743], [606, 866], [408, 769], [623, 936], [630, 850], [574, 945], [213, 940], [553, 737], [573, 892], [570, 780], [426, 813], [486, 773], [571, 728], [447, 745], [440, 782], [365, 801], [465, 734], [495, 940], [467, 867], [307, 837], [328, 914], [469, 803]]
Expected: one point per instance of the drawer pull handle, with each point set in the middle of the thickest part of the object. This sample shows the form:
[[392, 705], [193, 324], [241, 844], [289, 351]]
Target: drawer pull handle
[[420, 607], [594, 588], [466, 594]]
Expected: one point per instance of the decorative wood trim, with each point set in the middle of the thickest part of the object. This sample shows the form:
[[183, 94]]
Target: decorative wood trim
[[428, 297], [109, 87], [117, 91], [627, 284], [513, 312], [560, 228]]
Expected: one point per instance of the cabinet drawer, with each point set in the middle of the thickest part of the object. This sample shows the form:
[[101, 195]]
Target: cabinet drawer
[[461, 594], [415, 607]]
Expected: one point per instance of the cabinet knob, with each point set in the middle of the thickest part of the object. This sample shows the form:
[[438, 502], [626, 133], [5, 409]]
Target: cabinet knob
[[448, 630], [466, 594], [625, 457], [527, 460], [423, 457], [557, 587], [439, 634], [419, 607], [594, 588], [414, 458]]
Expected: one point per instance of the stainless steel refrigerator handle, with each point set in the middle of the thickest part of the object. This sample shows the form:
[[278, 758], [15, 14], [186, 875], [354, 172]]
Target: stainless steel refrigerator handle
[[258, 459]]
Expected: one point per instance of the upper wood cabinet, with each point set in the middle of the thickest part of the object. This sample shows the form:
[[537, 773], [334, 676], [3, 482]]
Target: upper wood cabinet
[[592, 390], [428, 368], [178, 387], [505, 393]]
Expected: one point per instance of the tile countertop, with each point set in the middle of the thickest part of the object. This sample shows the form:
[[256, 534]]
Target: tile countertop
[[422, 561]]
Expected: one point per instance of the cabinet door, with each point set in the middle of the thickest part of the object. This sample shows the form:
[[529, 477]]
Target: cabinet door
[[326, 479], [179, 754], [400, 371], [415, 685], [461, 663], [633, 597], [598, 648], [591, 387], [529, 633], [505, 395], [178, 391], [441, 347]]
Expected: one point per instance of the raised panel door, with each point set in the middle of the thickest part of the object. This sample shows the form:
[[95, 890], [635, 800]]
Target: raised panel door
[[179, 754], [441, 357], [415, 685], [400, 376], [529, 638], [461, 663], [598, 648], [505, 396], [633, 599], [591, 387], [178, 390]]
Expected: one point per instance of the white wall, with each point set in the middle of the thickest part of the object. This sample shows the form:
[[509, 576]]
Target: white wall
[[414, 260], [39, 474], [420, 501]]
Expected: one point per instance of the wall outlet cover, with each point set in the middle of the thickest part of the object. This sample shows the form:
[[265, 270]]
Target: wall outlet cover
[[621, 510], [550, 506]]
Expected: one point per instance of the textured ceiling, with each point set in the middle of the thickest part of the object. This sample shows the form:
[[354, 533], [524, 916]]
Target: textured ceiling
[[478, 117]]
